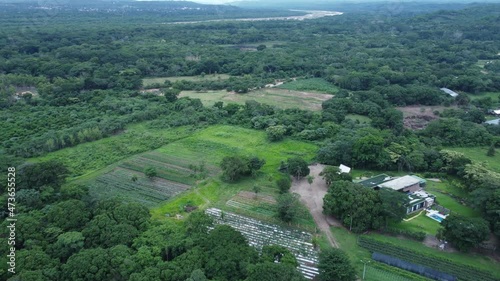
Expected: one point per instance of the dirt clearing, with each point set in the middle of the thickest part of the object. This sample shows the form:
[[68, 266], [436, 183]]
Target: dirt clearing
[[312, 196]]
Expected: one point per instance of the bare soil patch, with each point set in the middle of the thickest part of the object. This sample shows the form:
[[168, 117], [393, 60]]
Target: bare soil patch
[[416, 117], [312, 196]]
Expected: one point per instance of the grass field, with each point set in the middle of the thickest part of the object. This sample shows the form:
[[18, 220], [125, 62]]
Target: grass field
[[160, 80], [361, 118], [479, 154], [311, 84], [84, 159], [495, 96], [211, 145], [277, 97]]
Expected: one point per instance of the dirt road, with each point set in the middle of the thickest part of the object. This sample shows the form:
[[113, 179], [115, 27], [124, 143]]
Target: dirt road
[[312, 196]]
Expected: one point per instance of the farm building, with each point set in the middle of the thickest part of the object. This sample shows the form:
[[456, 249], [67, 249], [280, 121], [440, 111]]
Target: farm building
[[404, 184], [419, 200], [375, 181], [410, 184], [495, 112], [449, 92], [493, 122]]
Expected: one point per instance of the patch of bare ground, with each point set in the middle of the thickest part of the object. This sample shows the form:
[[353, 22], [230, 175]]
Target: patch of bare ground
[[258, 197], [417, 117], [312, 195]]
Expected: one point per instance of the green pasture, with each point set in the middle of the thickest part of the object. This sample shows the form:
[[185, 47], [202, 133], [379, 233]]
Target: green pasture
[[495, 97], [360, 118], [478, 154], [160, 80], [280, 98], [311, 84]]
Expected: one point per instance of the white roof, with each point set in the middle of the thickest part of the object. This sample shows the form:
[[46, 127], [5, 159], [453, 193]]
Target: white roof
[[344, 169], [493, 122], [400, 183], [449, 92], [496, 111]]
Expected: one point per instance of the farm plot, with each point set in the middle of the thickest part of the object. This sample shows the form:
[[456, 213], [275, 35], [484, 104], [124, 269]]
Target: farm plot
[[173, 176], [170, 167], [281, 98], [259, 205], [119, 184], [260, 234]]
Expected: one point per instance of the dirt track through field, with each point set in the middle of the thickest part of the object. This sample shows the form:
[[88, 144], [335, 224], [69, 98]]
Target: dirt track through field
[[312, 196]]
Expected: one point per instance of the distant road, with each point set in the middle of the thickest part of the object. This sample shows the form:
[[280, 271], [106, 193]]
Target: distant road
[[309, 15]]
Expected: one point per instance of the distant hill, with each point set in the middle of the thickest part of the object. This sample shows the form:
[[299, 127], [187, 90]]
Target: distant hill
[[361, 5]]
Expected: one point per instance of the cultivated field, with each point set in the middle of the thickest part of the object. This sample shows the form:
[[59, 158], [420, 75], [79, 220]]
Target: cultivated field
[[277, 97], [160, 80], [119, 184], [127, 181], [260, 234], [211, 145]]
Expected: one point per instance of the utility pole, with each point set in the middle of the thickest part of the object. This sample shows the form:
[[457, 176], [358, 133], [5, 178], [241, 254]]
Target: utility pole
[[364, 268]]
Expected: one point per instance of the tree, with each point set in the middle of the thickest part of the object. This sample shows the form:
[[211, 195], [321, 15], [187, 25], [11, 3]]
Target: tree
[[88, 265], [69, 215], [334, 265], [332, 173], [67, 244], [233, 168], [270, 271], [278, 254], [394, 204], [491, 151], [34, 176], [150, 172], [256, 189], [297, 167], [134, 178], [236, 167], [227, 254], [465, 233], [358, 208], [287, 206], [276, 133], [310, 179], [197, 275], [284, 183]]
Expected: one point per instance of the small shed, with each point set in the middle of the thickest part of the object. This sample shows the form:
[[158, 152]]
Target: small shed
[[344, 169]]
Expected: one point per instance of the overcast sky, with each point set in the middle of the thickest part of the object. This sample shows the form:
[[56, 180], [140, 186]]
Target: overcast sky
[[213, 1]]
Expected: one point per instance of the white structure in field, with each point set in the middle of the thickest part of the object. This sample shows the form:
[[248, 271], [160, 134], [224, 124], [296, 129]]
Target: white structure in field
[[344, 169], [449, 92]]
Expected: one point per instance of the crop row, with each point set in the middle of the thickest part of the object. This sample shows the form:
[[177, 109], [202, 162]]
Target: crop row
[[260, 234], [162, 172], [464, 272], [179, 161]]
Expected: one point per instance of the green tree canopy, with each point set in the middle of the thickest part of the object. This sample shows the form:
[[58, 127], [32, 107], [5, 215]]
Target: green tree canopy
[[334, 265]]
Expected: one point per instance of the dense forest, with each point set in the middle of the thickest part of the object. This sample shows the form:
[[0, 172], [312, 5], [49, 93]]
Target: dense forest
[[73, 74]]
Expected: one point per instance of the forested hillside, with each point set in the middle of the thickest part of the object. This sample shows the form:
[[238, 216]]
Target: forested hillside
[[74, 74]]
